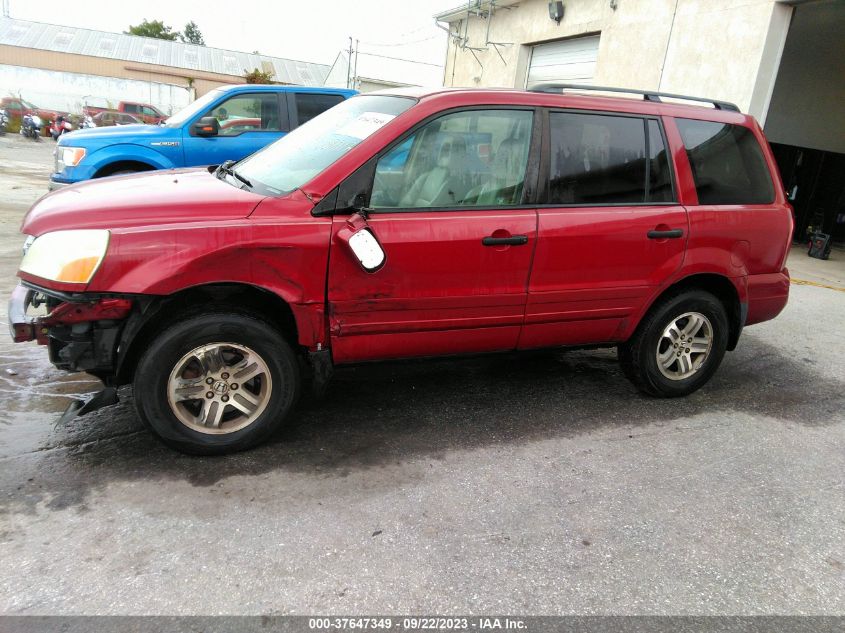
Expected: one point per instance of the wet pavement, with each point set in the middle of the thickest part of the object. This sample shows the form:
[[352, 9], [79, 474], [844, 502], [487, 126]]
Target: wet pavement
[[539, 483]]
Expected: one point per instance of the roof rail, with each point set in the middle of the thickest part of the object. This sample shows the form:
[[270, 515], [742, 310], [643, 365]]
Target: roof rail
[[648, 95]]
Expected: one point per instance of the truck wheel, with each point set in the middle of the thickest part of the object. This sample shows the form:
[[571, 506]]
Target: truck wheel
[[678, 345], [216, 383]]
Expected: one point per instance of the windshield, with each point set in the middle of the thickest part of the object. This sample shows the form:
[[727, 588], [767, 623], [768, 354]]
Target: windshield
[[192, 109], [296, 158]]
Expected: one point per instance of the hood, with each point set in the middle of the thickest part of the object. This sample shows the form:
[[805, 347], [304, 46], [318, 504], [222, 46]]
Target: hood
[[151, 198], [113, 133]]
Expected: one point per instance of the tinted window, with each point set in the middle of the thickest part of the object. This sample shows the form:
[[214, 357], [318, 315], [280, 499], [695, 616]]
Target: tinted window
[[310, 105], [727, 163], [130, 107], [247, 112], [466, 159], [600, 159]]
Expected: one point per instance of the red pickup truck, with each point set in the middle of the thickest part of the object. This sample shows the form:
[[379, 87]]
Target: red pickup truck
[[412, 223], [143, 111], [17, 107]]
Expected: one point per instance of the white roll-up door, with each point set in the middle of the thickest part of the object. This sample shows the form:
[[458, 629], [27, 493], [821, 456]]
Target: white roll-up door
[[568, 61]]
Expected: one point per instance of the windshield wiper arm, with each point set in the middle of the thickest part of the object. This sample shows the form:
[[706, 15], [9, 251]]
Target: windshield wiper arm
[[226, 168]]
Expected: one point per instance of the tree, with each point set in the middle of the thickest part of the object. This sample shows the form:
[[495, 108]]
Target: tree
[[155, 28], [192, 34], [259, 77]]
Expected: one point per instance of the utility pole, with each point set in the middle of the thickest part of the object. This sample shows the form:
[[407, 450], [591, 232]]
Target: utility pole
[[348, 64], [355, 69]]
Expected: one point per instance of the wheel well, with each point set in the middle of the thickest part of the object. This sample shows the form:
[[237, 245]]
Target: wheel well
[[122, 165], [163, 311], [722, 288]]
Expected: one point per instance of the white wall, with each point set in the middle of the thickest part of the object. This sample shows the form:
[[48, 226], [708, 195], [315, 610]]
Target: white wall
[[707, 48], [67, 91]]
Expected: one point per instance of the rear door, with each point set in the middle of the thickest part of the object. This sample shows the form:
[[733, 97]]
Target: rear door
[[610, 230], [247, 122], [449, 207]]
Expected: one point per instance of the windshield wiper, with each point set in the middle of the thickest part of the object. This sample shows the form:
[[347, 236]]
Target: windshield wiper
[[226, 168]]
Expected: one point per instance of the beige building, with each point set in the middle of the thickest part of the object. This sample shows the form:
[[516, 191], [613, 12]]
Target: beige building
[[782, 61], [60, 67]]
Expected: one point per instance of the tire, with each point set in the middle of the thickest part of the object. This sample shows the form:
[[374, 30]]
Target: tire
[[125, 172], [173, 397], [680, 373]]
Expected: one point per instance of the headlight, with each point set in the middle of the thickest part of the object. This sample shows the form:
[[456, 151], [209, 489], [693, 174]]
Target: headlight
[[69, 156], [66, 256]]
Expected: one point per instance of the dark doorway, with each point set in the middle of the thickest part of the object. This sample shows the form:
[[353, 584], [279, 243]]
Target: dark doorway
[[817, 180]]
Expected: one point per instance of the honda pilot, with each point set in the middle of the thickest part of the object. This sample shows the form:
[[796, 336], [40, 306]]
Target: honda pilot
[[411, 223]]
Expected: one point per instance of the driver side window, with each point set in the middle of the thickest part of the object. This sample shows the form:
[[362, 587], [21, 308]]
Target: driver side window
[[475, 158], [247, 113]]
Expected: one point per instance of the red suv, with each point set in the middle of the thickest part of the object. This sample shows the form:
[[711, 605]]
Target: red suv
[[409, 224]]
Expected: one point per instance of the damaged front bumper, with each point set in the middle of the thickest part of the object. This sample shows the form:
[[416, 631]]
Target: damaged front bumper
[[81, 332]]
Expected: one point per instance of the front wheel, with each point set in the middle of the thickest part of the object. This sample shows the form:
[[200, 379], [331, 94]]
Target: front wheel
[[216, 383], [678, 346]]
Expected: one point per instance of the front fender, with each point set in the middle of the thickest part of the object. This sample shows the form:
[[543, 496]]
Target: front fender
[[288, 259], [129, 151], [96, 160]]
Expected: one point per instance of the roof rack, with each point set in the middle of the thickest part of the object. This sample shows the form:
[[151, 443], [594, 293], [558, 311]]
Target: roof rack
[[648, 95]]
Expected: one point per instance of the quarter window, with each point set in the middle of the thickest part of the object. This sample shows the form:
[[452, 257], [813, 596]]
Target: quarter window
[[475, 158], [601, 159], [727, 164]]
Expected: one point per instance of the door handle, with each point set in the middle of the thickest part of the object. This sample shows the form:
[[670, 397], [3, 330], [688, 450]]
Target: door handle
[[662, 235], [513, 240]]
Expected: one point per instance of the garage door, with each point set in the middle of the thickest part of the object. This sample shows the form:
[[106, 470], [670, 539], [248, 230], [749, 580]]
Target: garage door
[[567, 61]]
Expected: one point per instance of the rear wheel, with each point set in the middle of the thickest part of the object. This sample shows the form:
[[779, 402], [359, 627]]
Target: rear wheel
[[216, 383], [678, 346]]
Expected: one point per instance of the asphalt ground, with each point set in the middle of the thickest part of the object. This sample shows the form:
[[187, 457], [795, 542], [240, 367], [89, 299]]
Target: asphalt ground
[[530, 484]]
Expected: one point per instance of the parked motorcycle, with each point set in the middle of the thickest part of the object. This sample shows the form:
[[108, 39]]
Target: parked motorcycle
[[60, 126], [4, 121], [87, 122], [31, 126]]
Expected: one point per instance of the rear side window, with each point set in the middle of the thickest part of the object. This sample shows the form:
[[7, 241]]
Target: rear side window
[[601, 159], [727, 163], [310, 105]]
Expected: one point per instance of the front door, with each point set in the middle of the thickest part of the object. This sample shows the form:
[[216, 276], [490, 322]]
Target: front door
[[448, 207], [610, 231], [247, 122]]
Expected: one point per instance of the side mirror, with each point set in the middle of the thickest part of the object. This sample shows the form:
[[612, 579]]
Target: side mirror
[[206, 126], [362, 243]]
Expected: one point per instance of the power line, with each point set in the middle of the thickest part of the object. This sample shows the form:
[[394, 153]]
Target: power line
[[401, 59], [431, 37]]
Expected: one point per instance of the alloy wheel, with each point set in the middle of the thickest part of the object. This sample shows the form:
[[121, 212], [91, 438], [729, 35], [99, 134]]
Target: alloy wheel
[[219, 388]]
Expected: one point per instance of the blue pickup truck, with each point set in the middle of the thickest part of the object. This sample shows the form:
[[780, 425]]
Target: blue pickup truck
[[228, 123]]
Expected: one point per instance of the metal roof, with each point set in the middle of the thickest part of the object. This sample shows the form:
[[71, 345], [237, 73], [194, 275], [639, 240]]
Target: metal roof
[[79, 41]]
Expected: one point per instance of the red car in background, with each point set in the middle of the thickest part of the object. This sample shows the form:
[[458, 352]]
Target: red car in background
[[144, 112], [106, 119], [17, 107], [404, 224]]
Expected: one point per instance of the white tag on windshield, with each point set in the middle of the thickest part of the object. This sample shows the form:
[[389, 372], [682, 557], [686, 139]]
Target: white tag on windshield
[[365, 124]]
